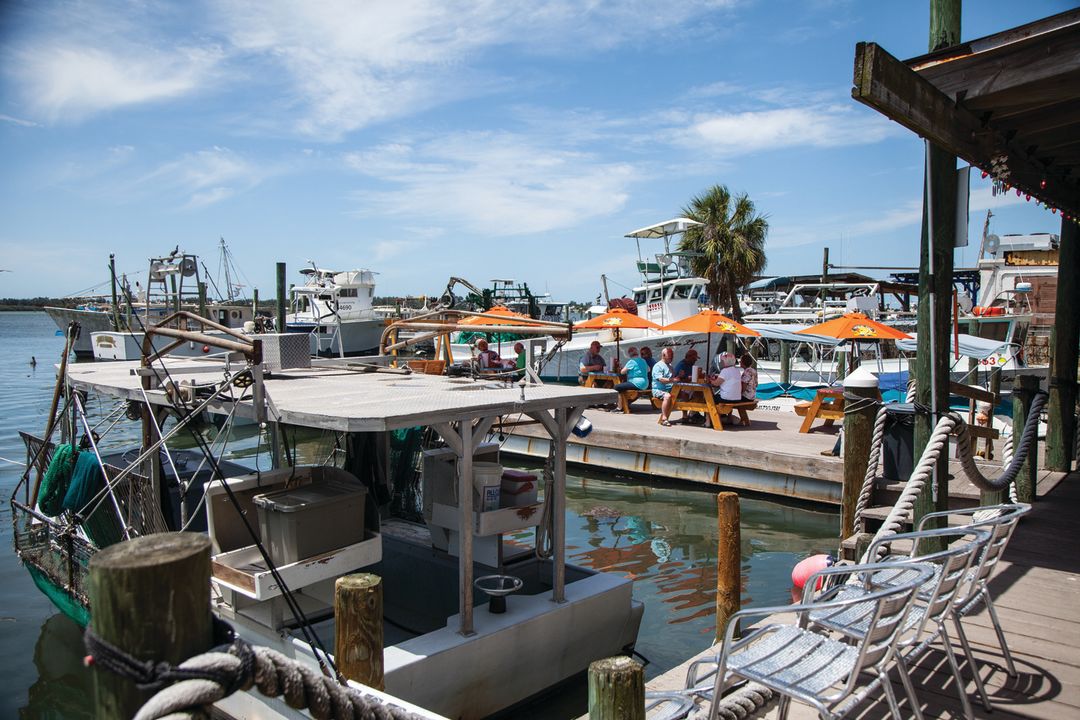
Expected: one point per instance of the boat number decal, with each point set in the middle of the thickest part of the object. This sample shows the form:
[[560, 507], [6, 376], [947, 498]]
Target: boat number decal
[[998, 360]]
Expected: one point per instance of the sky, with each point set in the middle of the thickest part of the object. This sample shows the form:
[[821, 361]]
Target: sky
[[425, 139]]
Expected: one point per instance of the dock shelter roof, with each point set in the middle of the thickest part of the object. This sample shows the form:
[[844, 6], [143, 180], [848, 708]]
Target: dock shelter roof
[[334, 397], [1005, 103]]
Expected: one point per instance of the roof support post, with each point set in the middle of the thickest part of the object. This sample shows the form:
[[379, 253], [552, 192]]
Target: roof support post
[[935, 279], [465, 528], [558, 500], [1064, 342]]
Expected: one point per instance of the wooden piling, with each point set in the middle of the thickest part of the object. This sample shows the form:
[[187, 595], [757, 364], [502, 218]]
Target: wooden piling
[[858, 436], [728, 560], [150, 598], [358, 622], [1024, 389], [1064, 341], [785, 362], [281, 298], [202, 299], [616, 689], [254, 303]]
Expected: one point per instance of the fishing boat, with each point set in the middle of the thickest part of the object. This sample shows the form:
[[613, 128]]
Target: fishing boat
[[334, 308], [481, 609], [174, 281]]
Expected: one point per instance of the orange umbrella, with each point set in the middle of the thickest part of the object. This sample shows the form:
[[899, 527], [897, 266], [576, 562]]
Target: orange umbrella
[[855, 326], [617, 319], [497, 315], [709, 322]]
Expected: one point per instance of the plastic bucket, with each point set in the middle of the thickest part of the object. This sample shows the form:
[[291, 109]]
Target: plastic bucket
[[487, 480]]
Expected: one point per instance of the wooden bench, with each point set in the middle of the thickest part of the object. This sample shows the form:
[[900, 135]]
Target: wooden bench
[[693, 397], [828, 405]]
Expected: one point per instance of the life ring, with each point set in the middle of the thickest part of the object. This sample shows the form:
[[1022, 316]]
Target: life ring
[[807, 567]]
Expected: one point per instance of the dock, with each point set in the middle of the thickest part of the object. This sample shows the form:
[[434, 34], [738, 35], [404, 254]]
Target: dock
[[770, 456], [1034, 588]]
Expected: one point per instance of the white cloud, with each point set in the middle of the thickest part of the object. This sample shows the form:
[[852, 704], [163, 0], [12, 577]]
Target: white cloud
[[18, 121], [740, 133], [67, 82], [207, 176], [494, 184]]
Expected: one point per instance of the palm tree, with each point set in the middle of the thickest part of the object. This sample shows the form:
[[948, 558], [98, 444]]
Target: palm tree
[[729, 244]]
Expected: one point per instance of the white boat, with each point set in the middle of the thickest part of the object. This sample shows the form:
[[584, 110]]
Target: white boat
[[335, 309], [173, 282], [445, 649]]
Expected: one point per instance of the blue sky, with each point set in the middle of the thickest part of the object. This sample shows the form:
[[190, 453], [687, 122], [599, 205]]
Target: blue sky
[[427, 138]]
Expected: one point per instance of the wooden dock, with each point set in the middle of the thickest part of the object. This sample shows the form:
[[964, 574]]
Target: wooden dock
[[1035, 588], [769, 456]]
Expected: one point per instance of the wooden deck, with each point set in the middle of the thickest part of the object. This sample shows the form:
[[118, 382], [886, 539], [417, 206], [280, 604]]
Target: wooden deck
[[768, 456], [1036, 590]]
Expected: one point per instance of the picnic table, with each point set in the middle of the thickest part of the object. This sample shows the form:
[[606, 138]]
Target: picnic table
[[698, 397], [602, 380], [828, 405]]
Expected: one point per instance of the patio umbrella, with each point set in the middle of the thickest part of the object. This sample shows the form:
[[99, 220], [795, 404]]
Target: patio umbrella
[[497, 315], [616, 320], [855, 326], [711, 322]]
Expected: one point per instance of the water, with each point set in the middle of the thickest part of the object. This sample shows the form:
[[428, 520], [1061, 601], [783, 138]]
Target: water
[[663, 537]]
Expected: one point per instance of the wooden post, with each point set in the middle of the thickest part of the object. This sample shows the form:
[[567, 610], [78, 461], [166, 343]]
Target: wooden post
[[1024, 389], [728, 560], [616, 689], [115, 301], [50, 422], [281, 299], [150, 598], [858, 434], [202, 299], [992, 497], [825, 266], [254, 302], [358, 622], [1064, 341], [935, 288], [785, 362]]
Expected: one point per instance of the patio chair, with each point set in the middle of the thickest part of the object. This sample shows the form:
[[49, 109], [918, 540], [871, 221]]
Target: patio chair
[[1000, 521], [934, 601], [801, 662]]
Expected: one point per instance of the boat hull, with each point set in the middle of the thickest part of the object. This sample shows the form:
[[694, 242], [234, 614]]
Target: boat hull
[[90, 321], [360, 337]]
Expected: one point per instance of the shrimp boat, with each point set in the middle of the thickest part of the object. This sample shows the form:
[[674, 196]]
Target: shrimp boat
[[413, 493], [334, 309]]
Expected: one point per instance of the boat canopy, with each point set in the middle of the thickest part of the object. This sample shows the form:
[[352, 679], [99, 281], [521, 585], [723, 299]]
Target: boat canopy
[[664, 229], [790, 332], [970, 346], [768, 283]]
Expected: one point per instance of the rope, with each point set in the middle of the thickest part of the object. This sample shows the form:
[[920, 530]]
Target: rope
[[744, 701], [189, 689], [939, 439]]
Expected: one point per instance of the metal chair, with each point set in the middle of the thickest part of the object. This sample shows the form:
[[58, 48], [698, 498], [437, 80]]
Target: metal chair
[[805, 663], [1000, 521], [932, 605]]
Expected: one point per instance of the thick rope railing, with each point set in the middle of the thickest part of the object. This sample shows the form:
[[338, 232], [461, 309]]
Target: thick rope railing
[[939, 439], [202, 680]]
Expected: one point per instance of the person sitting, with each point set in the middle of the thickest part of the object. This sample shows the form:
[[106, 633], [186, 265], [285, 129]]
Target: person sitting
[[749, 377], [684, 369], [519, 363], [646, 355], [592, 361], [636, 371], [662, 380], [728, 382], [489, 359]]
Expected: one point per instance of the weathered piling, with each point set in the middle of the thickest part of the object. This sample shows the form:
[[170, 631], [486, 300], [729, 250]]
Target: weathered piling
[[202, 299], [728, 560], [616, 689], [281, 298], [859, 419], [1064, 341], [254, 302], [785, 362], [150, 598], [1024, 389], [358, 621]]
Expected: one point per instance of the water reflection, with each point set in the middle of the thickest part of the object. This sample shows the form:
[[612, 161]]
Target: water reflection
[[63, 686]]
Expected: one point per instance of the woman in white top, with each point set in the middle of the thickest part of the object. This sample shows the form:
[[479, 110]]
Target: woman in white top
[[729, 381]]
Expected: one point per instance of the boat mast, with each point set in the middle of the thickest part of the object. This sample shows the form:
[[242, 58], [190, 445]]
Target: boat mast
[[228, 278]]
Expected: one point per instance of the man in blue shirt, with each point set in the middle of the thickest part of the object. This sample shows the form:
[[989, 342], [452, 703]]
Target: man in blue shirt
[[662, 379], [684, 369]]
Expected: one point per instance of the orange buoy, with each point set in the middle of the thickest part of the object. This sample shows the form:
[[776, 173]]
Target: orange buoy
[[805, 568]]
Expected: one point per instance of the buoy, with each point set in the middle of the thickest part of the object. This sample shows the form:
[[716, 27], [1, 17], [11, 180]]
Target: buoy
[[805, 568]]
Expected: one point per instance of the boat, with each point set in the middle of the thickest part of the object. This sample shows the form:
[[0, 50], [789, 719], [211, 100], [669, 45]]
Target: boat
[[174, 281], [450, 646], [334, 308]]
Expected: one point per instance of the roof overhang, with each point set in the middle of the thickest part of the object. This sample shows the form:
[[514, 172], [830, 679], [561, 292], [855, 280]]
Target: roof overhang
[[664, 229], [1004, 101]]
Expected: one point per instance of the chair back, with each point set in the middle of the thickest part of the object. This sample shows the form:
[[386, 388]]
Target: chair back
[[889, 604], [1000, 521]]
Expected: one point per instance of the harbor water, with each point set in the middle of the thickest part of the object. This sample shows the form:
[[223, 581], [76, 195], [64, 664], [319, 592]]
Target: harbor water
[[662, 536]]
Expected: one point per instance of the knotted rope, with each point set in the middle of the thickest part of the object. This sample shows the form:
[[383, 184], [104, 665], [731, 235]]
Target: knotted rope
[[188, 690]]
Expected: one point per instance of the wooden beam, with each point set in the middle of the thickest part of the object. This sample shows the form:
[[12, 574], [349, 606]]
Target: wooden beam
[[991, 42], [890, 87]]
